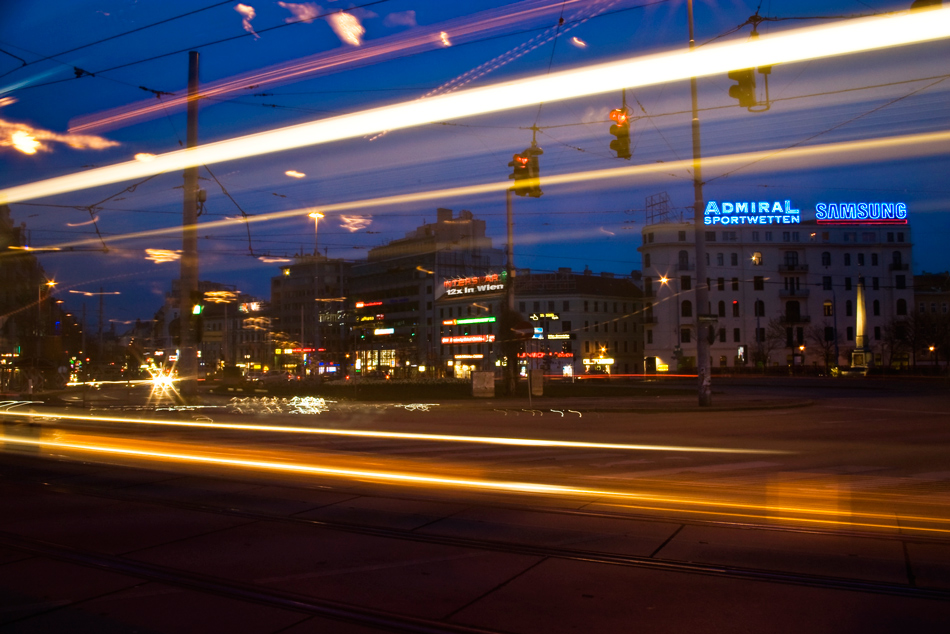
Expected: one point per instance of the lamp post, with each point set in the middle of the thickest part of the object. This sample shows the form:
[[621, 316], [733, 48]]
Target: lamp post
[[100, 294], [316, 215]]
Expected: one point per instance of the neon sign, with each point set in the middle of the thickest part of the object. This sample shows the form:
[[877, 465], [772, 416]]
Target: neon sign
[[751, 213], [472, 320], [861, 213], [469, 339], [472, 285], [384, 331], [367, 304], [545, 355]]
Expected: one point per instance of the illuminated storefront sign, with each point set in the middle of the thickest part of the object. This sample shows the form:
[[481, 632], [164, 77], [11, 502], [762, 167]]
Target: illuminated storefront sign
[[303, 350], [861, 213], [367, 304], [560, 335], [598, 361], [384, 331], [469, 339], [469, 320], [367, 318], [751, 213], [545, 355], [250, 307], [551, 316], [474, 285], [469, 356]]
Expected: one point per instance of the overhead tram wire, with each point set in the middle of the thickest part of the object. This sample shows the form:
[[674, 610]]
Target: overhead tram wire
[[113, 37], [247, 225]]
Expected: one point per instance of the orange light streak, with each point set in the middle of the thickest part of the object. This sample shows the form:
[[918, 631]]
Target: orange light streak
[[489, 440], [498, 485]]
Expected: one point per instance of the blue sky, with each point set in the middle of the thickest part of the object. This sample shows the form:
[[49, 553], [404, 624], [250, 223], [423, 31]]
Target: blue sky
[[862, 96]]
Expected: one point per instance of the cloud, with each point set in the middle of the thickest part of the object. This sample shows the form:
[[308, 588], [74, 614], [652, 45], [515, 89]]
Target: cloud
[[355, 223], [305, 11], [400, 18], [29, 140], [347, 27], [248, 14]]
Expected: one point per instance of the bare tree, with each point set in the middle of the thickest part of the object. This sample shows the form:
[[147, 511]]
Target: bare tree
[[776, 337], [817, 335]]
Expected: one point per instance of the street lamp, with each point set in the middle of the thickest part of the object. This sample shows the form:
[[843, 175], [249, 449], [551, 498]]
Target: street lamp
[[316, 215]]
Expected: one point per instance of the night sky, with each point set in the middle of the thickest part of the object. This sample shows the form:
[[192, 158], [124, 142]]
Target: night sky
[[884, 93]]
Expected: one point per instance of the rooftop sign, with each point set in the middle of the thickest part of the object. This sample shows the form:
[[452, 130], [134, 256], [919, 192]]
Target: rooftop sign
[[469, 339], [861, 213], [751, 213]]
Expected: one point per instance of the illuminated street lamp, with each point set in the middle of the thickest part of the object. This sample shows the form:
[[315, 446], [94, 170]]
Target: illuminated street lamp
[[316, 215]]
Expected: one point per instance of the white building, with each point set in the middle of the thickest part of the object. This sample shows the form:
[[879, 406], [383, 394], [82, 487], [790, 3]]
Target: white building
[[778, 294]]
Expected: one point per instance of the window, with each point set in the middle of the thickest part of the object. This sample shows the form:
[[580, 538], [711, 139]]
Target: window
[[686, 283], [829, 309], [826, 258], [876, 308], [729, 236], [735, 308], [943, 308], [710, 236], [615, 307], [795, 237], [851, 236], [847, 283], [686, 310], [860, 259], [649, 336], [722, 335], [721, 284], [681, 236], [736, 335], [900, 236], [786, 236], [521, 307], [646, 260], [826, 283], [825, 236], [829, 333], [900, 281], [760, 335], [722, 309], [874, 260], [875, 283], [791, 258], [596, 326], [848, 309], [793, 311], [650, 237], [537, 307], [877, 333], [768, 236], [868, 236], [849, 333], [755, 236], [586, 326], [646, 281], [596, 307], [647, 290], [847, 259], [759, 308], [734, 259], [757, 258], [902, 307], [735, 283], [684, 335], [566, 326], [566, 306], [890, 236], [550, 307], [813, 237], [586, 346], [896, 258], [758, 283], [922, 308], [683, 260], [720, 259]]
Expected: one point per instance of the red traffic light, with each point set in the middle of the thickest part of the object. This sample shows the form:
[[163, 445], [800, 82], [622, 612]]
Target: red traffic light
[[620, 116], [520, 159]]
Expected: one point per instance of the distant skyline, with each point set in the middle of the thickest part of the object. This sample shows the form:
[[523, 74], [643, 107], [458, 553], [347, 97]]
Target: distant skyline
[[885, 93]]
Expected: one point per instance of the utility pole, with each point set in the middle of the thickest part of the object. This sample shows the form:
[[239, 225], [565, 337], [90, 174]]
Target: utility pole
[[508, 342], [702, 289], [188, 354], [101, 346]]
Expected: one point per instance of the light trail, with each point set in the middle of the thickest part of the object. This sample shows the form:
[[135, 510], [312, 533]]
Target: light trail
[[415, 41], [867, 150], [489, 440], [780, 48], [830, 519]]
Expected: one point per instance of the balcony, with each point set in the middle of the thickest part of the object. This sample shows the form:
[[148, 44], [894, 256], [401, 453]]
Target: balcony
[[793, 293], [897, 266], [650, 319], [800, 319], [792, 268]]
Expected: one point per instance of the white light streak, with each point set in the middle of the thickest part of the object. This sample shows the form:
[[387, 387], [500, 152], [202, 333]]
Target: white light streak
[[797, 45], [578, 42], [294, 174], [346, 27], [247, 14]]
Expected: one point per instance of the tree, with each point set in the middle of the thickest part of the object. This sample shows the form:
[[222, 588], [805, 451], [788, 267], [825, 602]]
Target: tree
[[893, 341], [776, 337], [817, 337]]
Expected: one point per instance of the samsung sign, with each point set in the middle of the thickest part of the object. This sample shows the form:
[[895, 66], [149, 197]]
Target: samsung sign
[[861, 213], [782, 213], [751, 213]]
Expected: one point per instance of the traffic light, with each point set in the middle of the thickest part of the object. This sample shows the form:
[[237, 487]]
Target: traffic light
[[621, 130], [534, 171], [744, 90], [519, 172]]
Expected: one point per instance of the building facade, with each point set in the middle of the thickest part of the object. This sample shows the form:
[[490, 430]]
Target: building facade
[[778, 294], [582, 323]]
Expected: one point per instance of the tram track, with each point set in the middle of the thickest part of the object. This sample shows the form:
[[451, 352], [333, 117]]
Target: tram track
[[507, 547]]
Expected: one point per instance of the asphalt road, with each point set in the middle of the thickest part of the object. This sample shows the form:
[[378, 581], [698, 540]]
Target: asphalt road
[[826, 509]]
